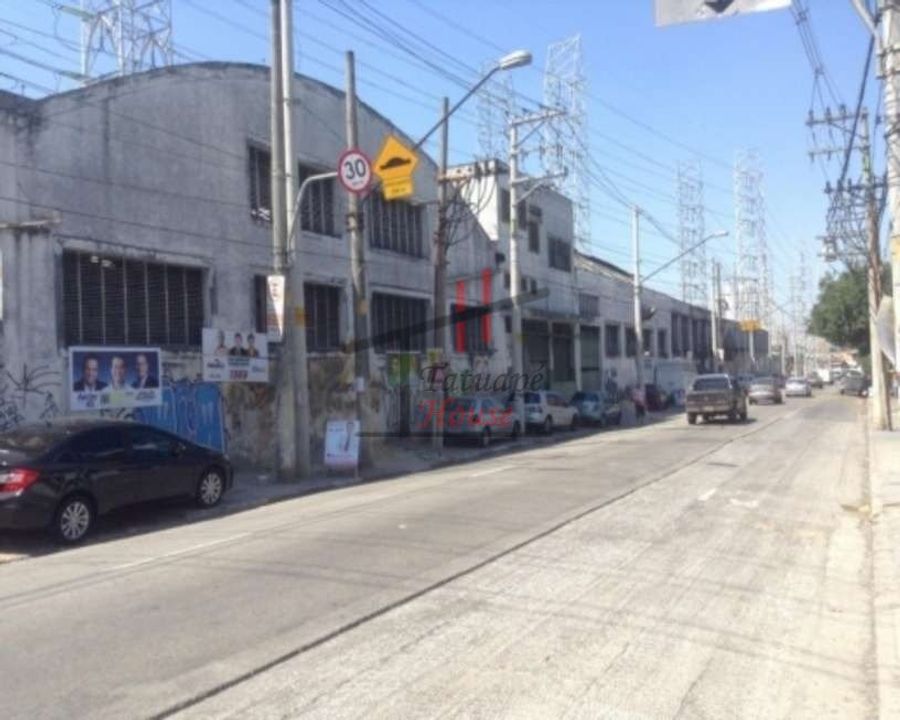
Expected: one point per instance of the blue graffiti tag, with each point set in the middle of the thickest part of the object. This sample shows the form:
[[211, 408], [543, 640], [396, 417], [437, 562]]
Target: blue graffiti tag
[[192, 410]]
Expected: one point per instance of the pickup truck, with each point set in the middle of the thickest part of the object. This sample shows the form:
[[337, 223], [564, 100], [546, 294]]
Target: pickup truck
[[712, 395]]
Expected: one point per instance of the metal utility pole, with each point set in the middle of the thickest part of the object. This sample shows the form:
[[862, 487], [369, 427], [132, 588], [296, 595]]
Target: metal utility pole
[[638, 319], [358, 270], [440, 270], [717, 340], [295, 313]]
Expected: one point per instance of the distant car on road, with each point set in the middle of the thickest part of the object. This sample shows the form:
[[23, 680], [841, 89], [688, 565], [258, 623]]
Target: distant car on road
[[744, 381], [547, 410], [765, 390], [798, 387], [854, 383], [655, 398], [597, 408], [64, 474], [712, 395], [815, 381], [479, 418]]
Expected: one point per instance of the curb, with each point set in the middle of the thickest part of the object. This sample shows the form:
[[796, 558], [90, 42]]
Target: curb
[[885, 589]]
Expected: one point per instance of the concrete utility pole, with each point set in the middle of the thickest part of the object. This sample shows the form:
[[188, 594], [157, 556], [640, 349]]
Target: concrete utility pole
[[515, 282], [638, 319], [717, 342], [890, 52], [295, 313], [440, 270], [881, 407], [358, 270]]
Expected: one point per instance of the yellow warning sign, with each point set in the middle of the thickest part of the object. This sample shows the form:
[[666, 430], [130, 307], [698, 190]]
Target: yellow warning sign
[[394, 167], [750, 325]]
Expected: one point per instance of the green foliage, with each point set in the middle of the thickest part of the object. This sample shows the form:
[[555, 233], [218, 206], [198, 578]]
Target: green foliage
[[841, 314]]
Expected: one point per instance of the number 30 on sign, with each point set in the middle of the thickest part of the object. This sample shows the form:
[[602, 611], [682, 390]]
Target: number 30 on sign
[[355, 171]]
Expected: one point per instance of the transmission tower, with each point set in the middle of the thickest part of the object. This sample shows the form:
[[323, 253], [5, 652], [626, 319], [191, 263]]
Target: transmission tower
[[495, 107], [120, 37], [564, 139], [694, 276], [753, 281]]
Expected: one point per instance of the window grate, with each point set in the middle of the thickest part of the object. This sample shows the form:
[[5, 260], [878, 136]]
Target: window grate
[[119, 301], [395, 226], [398, 323], [260, 172], [322, 303], [317, 210]]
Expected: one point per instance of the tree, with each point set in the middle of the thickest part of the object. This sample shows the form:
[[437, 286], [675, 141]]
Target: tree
[[841, 314]]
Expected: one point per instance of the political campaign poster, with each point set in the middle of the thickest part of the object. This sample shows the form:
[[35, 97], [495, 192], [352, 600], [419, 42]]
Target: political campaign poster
[[342, 444], [232, 356], [110, 378]]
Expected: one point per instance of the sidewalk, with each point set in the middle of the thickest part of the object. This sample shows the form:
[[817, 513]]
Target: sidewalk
[[884, 480], [253, 488]]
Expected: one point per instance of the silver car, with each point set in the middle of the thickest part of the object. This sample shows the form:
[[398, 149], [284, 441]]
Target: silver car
[[798, 387], [597, 408], [479, 418], [765, 390]]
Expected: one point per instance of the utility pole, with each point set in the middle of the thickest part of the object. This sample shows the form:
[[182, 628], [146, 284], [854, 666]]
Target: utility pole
[[295, 314], [284, 380], [717, 340], [358, 270], [890, 52], [881, 408], [638, 320], [514, 270], [440, 272]]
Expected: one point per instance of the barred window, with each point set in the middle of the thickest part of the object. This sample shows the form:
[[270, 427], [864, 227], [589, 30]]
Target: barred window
[[588, 305], [630, 342], [560, 254], [534, 236], [119, 301], [398, 322], [613, 342], [563, 353], [395, 226], [317, 210], [504, 206], [323, 324], [662, 350], [260, 171], [468, 328], [647, 342]]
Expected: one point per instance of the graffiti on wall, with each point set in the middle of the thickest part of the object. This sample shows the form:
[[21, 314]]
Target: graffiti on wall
[[29, 394], [190, 409]]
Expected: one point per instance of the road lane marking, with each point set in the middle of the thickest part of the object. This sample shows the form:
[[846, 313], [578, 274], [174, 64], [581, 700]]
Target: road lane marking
[[491, 471], [183, 551], [707, 495]]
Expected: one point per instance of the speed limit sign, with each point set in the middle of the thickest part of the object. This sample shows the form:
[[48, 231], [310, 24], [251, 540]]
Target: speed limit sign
[[355, 171]]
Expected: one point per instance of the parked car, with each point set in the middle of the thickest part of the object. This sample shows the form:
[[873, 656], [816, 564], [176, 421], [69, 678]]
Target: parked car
[[712, 395], [815, 381], [479, 418], [546, 409], [854, 383], [655, 398], [64, 474], [765, 390], [744, 381], [798, 387], [598, 408]]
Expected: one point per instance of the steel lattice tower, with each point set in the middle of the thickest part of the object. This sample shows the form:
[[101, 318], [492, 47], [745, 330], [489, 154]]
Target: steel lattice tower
[[753, 282], [495, 107], [564, 140], [691, 229], [119, 37]]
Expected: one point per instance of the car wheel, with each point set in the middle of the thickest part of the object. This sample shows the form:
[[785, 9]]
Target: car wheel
[[73, 519], [618, 418], [485, 438], [573, 426], [210, 488], [516, 430], [732, 416], [744, 415], [692, 419], [548, 425]]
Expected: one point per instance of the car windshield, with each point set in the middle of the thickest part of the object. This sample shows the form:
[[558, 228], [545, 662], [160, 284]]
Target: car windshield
[[532, 398], [711, 383]]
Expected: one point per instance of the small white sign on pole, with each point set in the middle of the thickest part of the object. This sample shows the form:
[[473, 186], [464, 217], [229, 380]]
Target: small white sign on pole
[[355, 171], [275, 308], [342, 444]]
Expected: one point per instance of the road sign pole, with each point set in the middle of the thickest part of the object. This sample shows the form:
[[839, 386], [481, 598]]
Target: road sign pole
[[358, 269]]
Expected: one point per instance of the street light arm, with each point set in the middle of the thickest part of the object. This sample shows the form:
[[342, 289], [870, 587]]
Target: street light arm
[[686, 252], [295, 211], [456, 107]]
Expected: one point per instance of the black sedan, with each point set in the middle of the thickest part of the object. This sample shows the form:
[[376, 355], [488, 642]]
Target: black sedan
[[62, 475]]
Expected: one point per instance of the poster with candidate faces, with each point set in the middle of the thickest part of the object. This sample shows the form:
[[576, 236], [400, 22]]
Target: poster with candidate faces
[[111, 378], [230, 356]]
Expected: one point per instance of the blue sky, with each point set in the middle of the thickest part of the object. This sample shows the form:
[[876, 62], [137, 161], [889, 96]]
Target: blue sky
[[656, 96]]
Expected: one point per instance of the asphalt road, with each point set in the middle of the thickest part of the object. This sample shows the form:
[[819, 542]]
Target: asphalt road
[[668, 571]]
